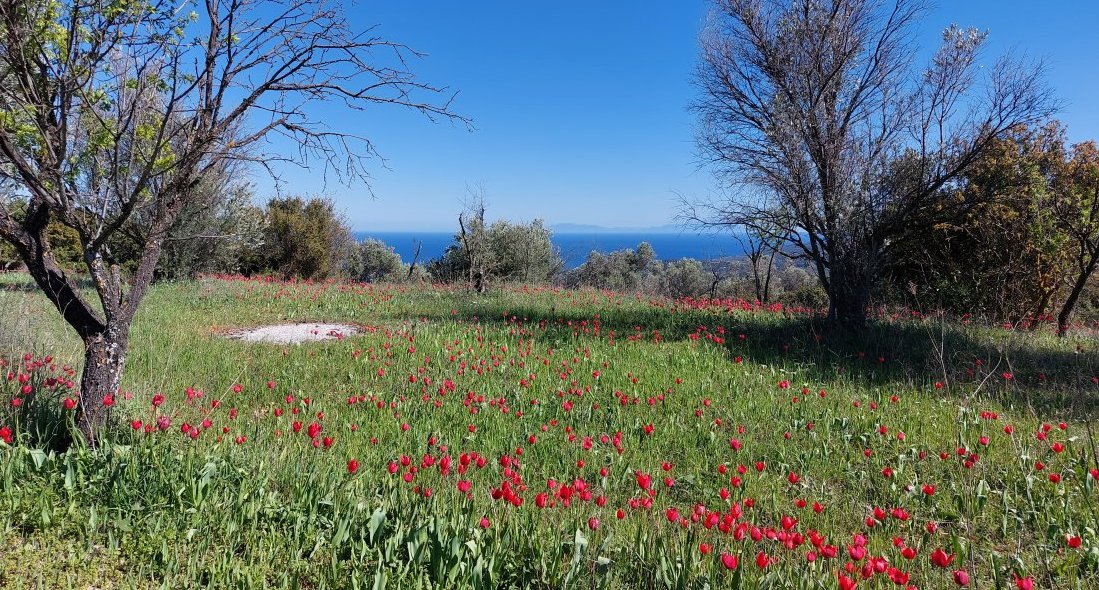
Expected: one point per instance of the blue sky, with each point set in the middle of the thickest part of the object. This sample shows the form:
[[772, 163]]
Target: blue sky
[[579, 107]]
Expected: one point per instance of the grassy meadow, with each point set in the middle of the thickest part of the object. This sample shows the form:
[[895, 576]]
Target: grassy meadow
[[537, 437]]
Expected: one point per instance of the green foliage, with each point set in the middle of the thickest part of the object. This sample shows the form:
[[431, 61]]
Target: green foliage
[[64, 240], [374, 261], [306, 239], [522, 252], [622, 270], [506, 251], [1013, 245], [221, 233], [685, 278], [9, 257]]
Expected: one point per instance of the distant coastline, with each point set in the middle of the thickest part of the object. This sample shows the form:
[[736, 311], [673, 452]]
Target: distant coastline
[[575, 246]]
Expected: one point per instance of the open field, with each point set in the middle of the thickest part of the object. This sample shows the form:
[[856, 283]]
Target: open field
[[547, 438]]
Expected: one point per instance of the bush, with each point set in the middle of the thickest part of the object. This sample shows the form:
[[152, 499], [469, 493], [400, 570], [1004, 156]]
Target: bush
[[222, 234], [685, 278], [523, 252], [306, 239], [621, 270], [504, 251], [375, 261], [809, 297]]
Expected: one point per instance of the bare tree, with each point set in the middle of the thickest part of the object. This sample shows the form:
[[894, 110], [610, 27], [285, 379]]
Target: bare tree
[[811, 110], [112, 112], [761, 244], [473, 234]]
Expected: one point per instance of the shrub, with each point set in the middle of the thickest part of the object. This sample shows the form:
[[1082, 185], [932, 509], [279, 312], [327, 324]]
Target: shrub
[[621, 270], [306, 239], [375, 261], [504, 251], [224, 233]]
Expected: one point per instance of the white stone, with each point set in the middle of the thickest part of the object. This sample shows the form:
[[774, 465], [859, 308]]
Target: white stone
[[293, 333]]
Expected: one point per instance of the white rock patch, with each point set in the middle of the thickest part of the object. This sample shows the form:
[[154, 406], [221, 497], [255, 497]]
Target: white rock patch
[[293, 333]]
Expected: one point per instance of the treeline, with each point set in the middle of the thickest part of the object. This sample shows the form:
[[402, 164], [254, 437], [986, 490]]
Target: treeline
[[296, 237], [1017, 240]]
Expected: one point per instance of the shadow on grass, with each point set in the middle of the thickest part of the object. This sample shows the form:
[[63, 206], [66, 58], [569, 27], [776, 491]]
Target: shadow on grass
[[1025, 370]]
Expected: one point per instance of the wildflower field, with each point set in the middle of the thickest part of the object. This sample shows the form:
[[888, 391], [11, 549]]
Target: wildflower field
[[537, 437]]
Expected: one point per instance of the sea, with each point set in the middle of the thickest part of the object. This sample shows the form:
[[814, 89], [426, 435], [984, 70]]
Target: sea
[[575, 247]]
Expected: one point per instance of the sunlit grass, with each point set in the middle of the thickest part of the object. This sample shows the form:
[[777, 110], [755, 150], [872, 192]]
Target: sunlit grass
[[541, 386]]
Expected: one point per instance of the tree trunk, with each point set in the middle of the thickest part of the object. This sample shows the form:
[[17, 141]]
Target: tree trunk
[[847, 310], [770, 272], [848, 295], [104, 358], [1074, 296]]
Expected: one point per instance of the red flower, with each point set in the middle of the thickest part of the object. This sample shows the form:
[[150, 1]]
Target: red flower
[[352, 466], [941, 558], [729, 561], [762, 560], [671, 514], [69, 403], [961, 577]]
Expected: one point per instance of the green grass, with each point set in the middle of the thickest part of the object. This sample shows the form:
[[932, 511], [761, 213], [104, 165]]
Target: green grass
[[163, 509]]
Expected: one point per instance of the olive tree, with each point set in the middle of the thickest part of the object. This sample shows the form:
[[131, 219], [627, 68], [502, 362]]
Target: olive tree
[[814, 115], [110, 111], [374, 260]]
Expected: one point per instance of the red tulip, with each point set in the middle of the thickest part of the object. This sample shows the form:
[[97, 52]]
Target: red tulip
[[729, 561], [941, 558]]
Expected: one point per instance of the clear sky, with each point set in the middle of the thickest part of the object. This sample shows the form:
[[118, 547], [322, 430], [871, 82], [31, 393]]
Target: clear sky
[[579, 107]]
